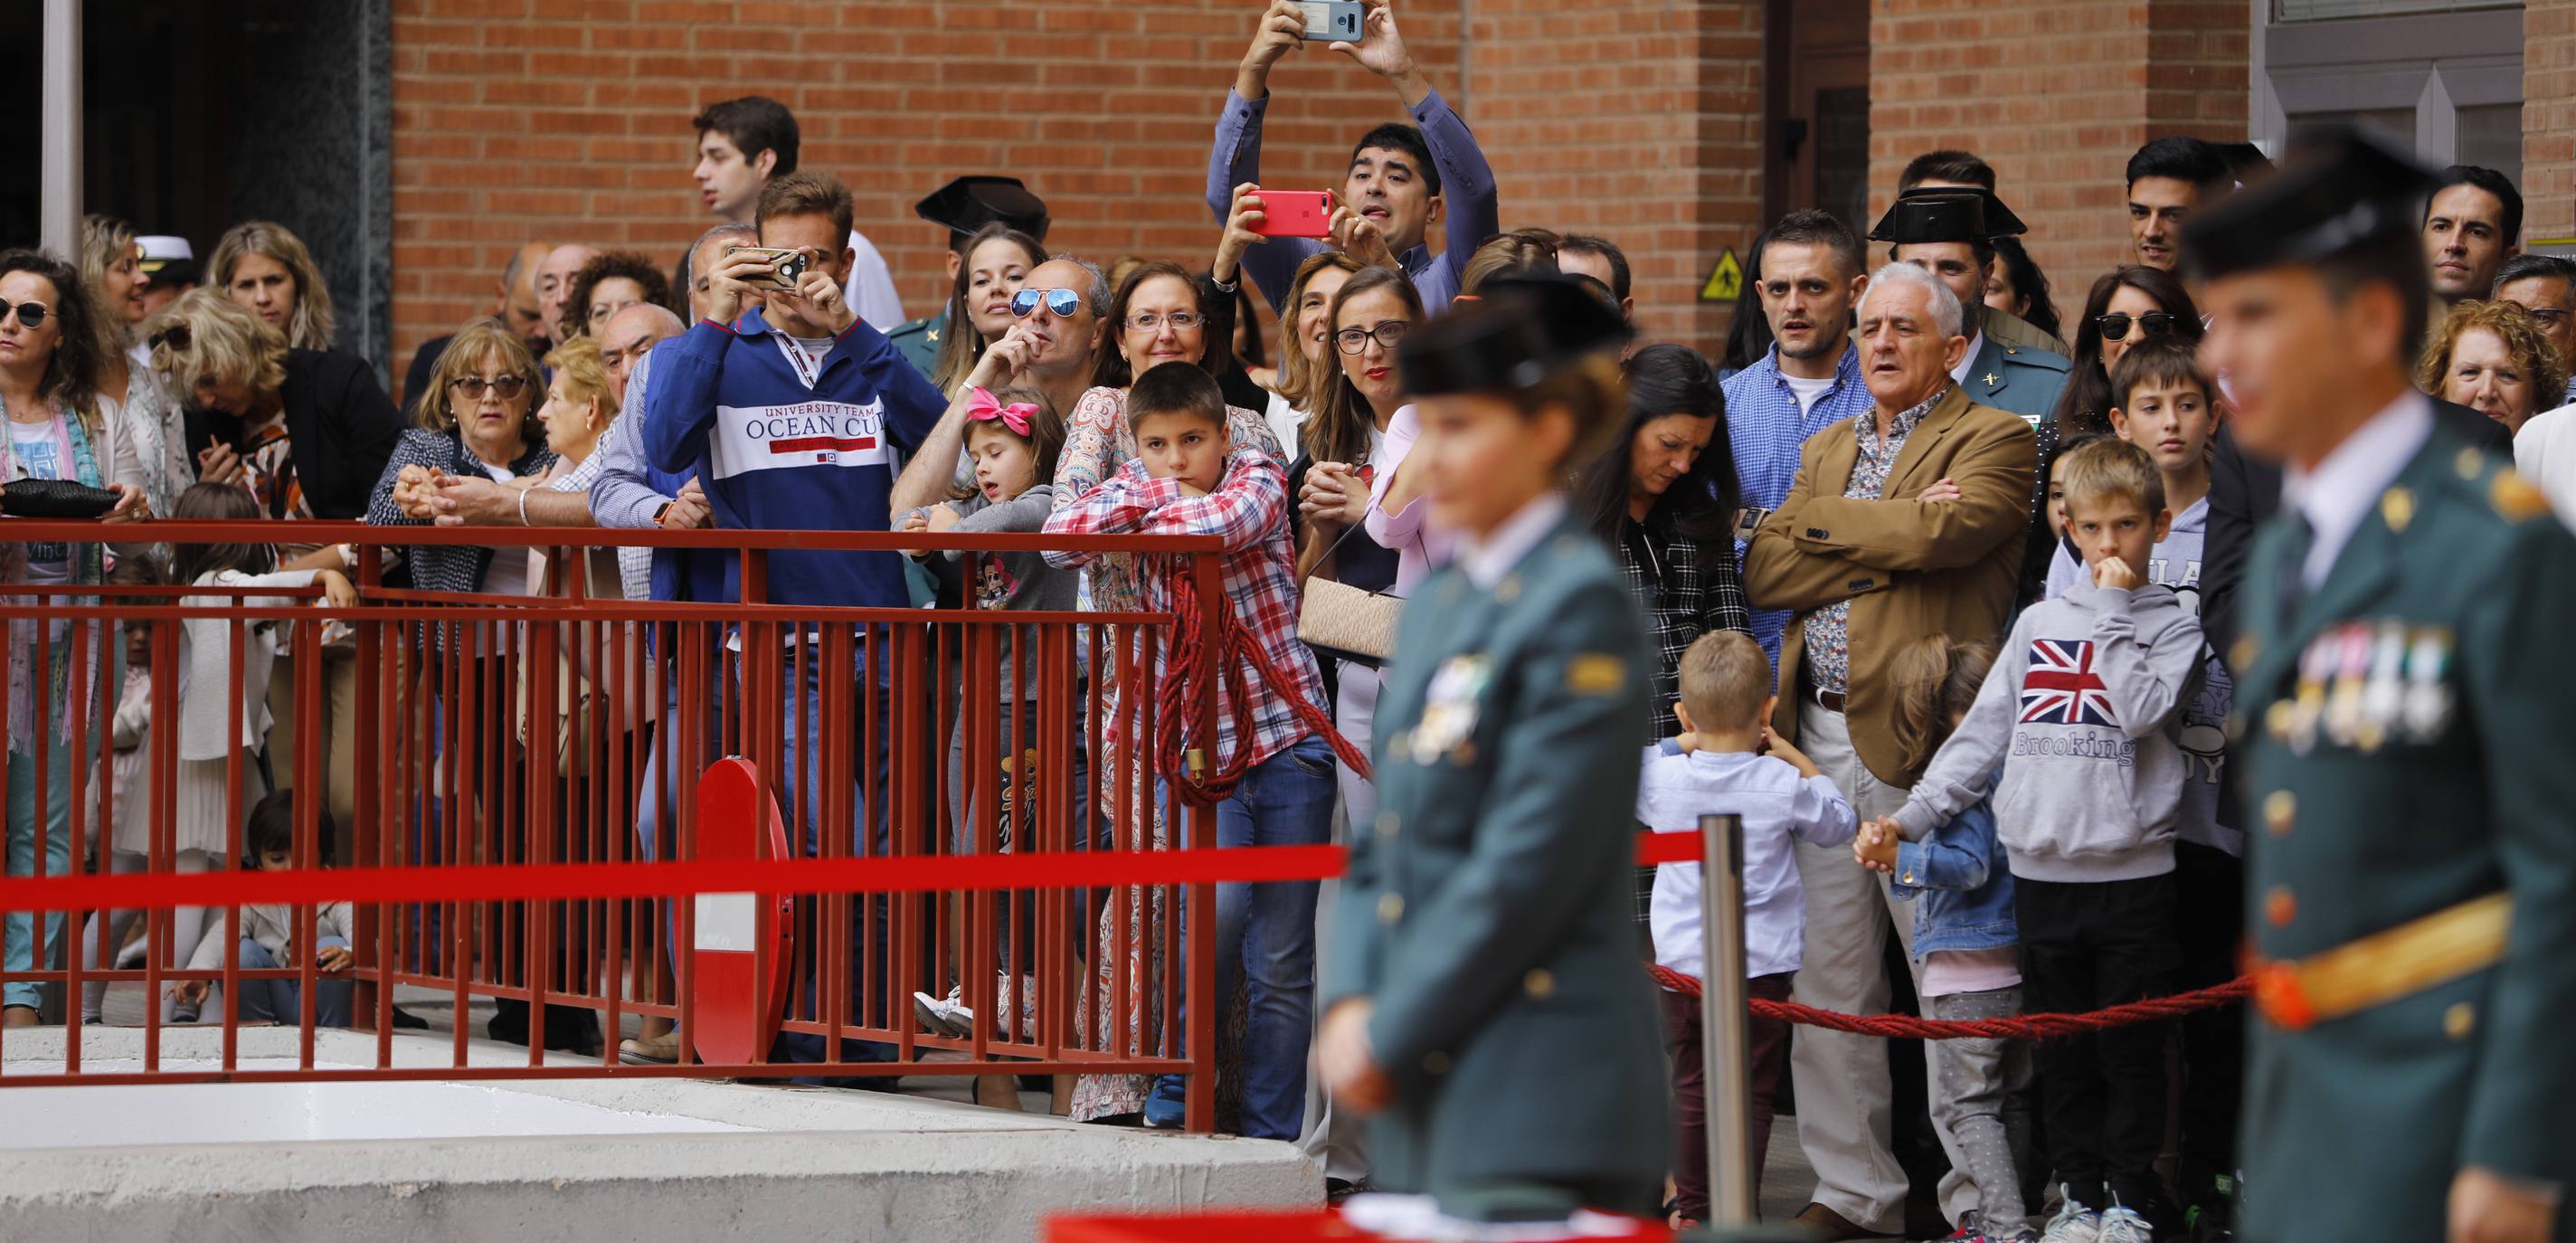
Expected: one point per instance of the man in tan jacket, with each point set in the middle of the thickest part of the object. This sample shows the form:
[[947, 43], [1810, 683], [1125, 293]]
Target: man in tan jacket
[[1907, 521]]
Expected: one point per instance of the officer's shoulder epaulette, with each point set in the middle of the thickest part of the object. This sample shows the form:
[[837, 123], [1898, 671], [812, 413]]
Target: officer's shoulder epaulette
[[2516, 499], [2042, 359]]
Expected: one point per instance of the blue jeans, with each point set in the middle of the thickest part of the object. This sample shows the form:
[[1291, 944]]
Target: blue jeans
[[1267, 932], [803, 759], [20, 932], [282, 1001]]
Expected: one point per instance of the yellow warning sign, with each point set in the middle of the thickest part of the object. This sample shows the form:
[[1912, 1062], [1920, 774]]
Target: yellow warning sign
[[1726, 281]]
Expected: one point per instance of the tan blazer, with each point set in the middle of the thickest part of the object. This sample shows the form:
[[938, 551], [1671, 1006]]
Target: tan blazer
[[1909, 569]]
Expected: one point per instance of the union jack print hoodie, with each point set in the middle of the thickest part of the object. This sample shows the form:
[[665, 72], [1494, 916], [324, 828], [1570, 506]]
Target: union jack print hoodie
[[2080, 713]]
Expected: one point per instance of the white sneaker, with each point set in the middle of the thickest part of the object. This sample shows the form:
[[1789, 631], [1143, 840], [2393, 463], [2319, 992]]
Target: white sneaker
[[948, 1016], [2074, 1223], [2123, 1225]]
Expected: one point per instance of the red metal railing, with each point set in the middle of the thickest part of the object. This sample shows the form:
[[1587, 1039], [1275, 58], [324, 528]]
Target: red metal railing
[[517, 732]]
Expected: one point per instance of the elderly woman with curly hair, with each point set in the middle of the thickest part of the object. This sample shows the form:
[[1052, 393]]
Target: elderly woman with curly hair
[[611, 282], [266, 269], [2493, 358]]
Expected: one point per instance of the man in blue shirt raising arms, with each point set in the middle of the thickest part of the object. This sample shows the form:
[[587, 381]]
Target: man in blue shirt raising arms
[[1402, 180]]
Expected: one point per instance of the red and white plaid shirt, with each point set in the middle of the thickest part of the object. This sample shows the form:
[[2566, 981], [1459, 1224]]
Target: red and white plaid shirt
[[1249, 511]]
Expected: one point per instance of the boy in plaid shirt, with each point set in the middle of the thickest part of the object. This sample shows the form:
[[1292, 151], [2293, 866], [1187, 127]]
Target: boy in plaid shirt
[[1187, 480]]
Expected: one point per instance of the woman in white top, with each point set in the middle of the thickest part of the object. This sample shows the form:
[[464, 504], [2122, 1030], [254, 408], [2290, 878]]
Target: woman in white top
[[58, 430]]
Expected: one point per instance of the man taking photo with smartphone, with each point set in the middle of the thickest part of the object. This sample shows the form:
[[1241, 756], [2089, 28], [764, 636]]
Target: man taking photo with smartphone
[[1402, 179]]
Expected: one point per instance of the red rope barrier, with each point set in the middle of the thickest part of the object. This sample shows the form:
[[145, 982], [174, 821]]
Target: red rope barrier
[[1192, 625], [2018, 1027]]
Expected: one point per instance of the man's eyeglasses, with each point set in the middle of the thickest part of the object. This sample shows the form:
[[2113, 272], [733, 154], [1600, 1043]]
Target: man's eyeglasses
[[472, 388], [1061, 303], [1355, 340], [1148, 321], [2115, 326], [30, 314]]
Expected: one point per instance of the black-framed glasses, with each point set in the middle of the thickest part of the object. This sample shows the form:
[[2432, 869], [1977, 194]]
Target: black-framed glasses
[[2115, 326], [1150, 321], [1061, 303], [1355, 340], [472, 388], [30, 314]]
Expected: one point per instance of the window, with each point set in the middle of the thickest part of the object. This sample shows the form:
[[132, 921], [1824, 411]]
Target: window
[[2440, 77]]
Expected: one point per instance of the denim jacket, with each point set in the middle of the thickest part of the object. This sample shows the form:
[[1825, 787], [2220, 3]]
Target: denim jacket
[[1958, 870]]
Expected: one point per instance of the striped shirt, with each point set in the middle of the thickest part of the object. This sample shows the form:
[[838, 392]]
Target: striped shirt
[[1765, 430]]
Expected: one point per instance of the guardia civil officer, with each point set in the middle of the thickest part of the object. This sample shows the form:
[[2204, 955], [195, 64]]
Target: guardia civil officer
[[2406, 698], [1482, 995], [962, 207]]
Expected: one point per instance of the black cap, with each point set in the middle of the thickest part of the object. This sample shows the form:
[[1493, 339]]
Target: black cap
[[1947, 214], [2338, 188], [970, 203], [1519, 331]]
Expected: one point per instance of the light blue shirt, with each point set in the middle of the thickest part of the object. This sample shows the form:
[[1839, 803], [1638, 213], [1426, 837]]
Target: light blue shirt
[[1779, 808]]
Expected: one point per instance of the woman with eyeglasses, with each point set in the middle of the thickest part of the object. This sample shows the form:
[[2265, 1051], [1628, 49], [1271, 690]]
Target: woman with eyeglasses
[[269, 272], [611, 282], [58, 429], [2125, 307]]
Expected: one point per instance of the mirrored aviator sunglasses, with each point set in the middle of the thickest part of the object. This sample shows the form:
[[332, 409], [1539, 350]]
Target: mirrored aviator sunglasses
[[1059, 302]]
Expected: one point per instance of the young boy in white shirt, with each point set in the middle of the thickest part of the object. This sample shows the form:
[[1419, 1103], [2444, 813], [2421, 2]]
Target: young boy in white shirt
[[1727, 761]]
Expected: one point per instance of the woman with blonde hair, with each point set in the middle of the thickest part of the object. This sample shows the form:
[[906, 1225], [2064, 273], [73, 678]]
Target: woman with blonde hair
[[268, 271], [150, 425], [305, 430]]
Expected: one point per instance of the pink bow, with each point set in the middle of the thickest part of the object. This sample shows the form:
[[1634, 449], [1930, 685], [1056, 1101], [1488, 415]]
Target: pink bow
[[981, 407]]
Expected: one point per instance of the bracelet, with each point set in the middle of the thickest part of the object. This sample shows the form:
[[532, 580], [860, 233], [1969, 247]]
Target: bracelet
[[523, 506], [1225, 286]]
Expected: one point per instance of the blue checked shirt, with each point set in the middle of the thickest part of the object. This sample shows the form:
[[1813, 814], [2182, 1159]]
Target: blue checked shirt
[[1765, 430]]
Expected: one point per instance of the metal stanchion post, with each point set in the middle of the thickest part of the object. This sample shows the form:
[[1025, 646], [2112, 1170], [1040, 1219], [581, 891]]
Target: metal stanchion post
[[1723, 1047]]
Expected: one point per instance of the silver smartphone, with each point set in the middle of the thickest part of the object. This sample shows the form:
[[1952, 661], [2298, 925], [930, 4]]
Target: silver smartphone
[[1334, 21]]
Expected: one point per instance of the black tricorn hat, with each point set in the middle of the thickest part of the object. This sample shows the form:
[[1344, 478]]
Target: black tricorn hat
[[1519, 331], [1947, 214], [2338, 188], [970, 203]]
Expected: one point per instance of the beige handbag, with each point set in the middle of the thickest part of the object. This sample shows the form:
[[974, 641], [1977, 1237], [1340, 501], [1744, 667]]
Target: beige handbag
[[1343, 621]]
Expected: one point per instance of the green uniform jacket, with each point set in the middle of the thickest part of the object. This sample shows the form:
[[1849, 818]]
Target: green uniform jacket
[[2017, 378], [918, 341], [2012, 329], [2355, 1127], [1489, 912]]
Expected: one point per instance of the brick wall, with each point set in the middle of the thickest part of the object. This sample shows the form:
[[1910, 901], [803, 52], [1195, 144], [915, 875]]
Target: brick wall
[[2056, 94], [1638, 120], [2549, 119], [568, 120]]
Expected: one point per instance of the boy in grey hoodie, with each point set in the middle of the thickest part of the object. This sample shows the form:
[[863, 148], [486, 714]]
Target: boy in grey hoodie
[[2080, 711]]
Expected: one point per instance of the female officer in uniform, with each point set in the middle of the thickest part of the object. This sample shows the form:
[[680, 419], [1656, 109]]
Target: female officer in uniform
[[1482, 995]]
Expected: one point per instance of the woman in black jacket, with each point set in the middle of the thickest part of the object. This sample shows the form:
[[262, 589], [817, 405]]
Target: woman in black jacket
[[306, 431], [1662, 496]]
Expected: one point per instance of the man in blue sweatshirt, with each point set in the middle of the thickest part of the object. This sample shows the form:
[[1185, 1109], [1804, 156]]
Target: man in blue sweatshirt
[[790, 417]]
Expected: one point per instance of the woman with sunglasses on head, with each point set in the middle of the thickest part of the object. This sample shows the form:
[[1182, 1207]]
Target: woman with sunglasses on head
[[50, 348], [268, 271], [2125, 307], [305, 430]]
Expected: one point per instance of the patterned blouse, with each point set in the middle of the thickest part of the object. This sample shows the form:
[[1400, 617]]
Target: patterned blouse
[[1829, 628], [1096, 443], [1687, 588]]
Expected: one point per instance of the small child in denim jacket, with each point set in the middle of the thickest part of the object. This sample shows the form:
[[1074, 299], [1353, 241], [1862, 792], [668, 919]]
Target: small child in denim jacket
[[1965, 934]]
